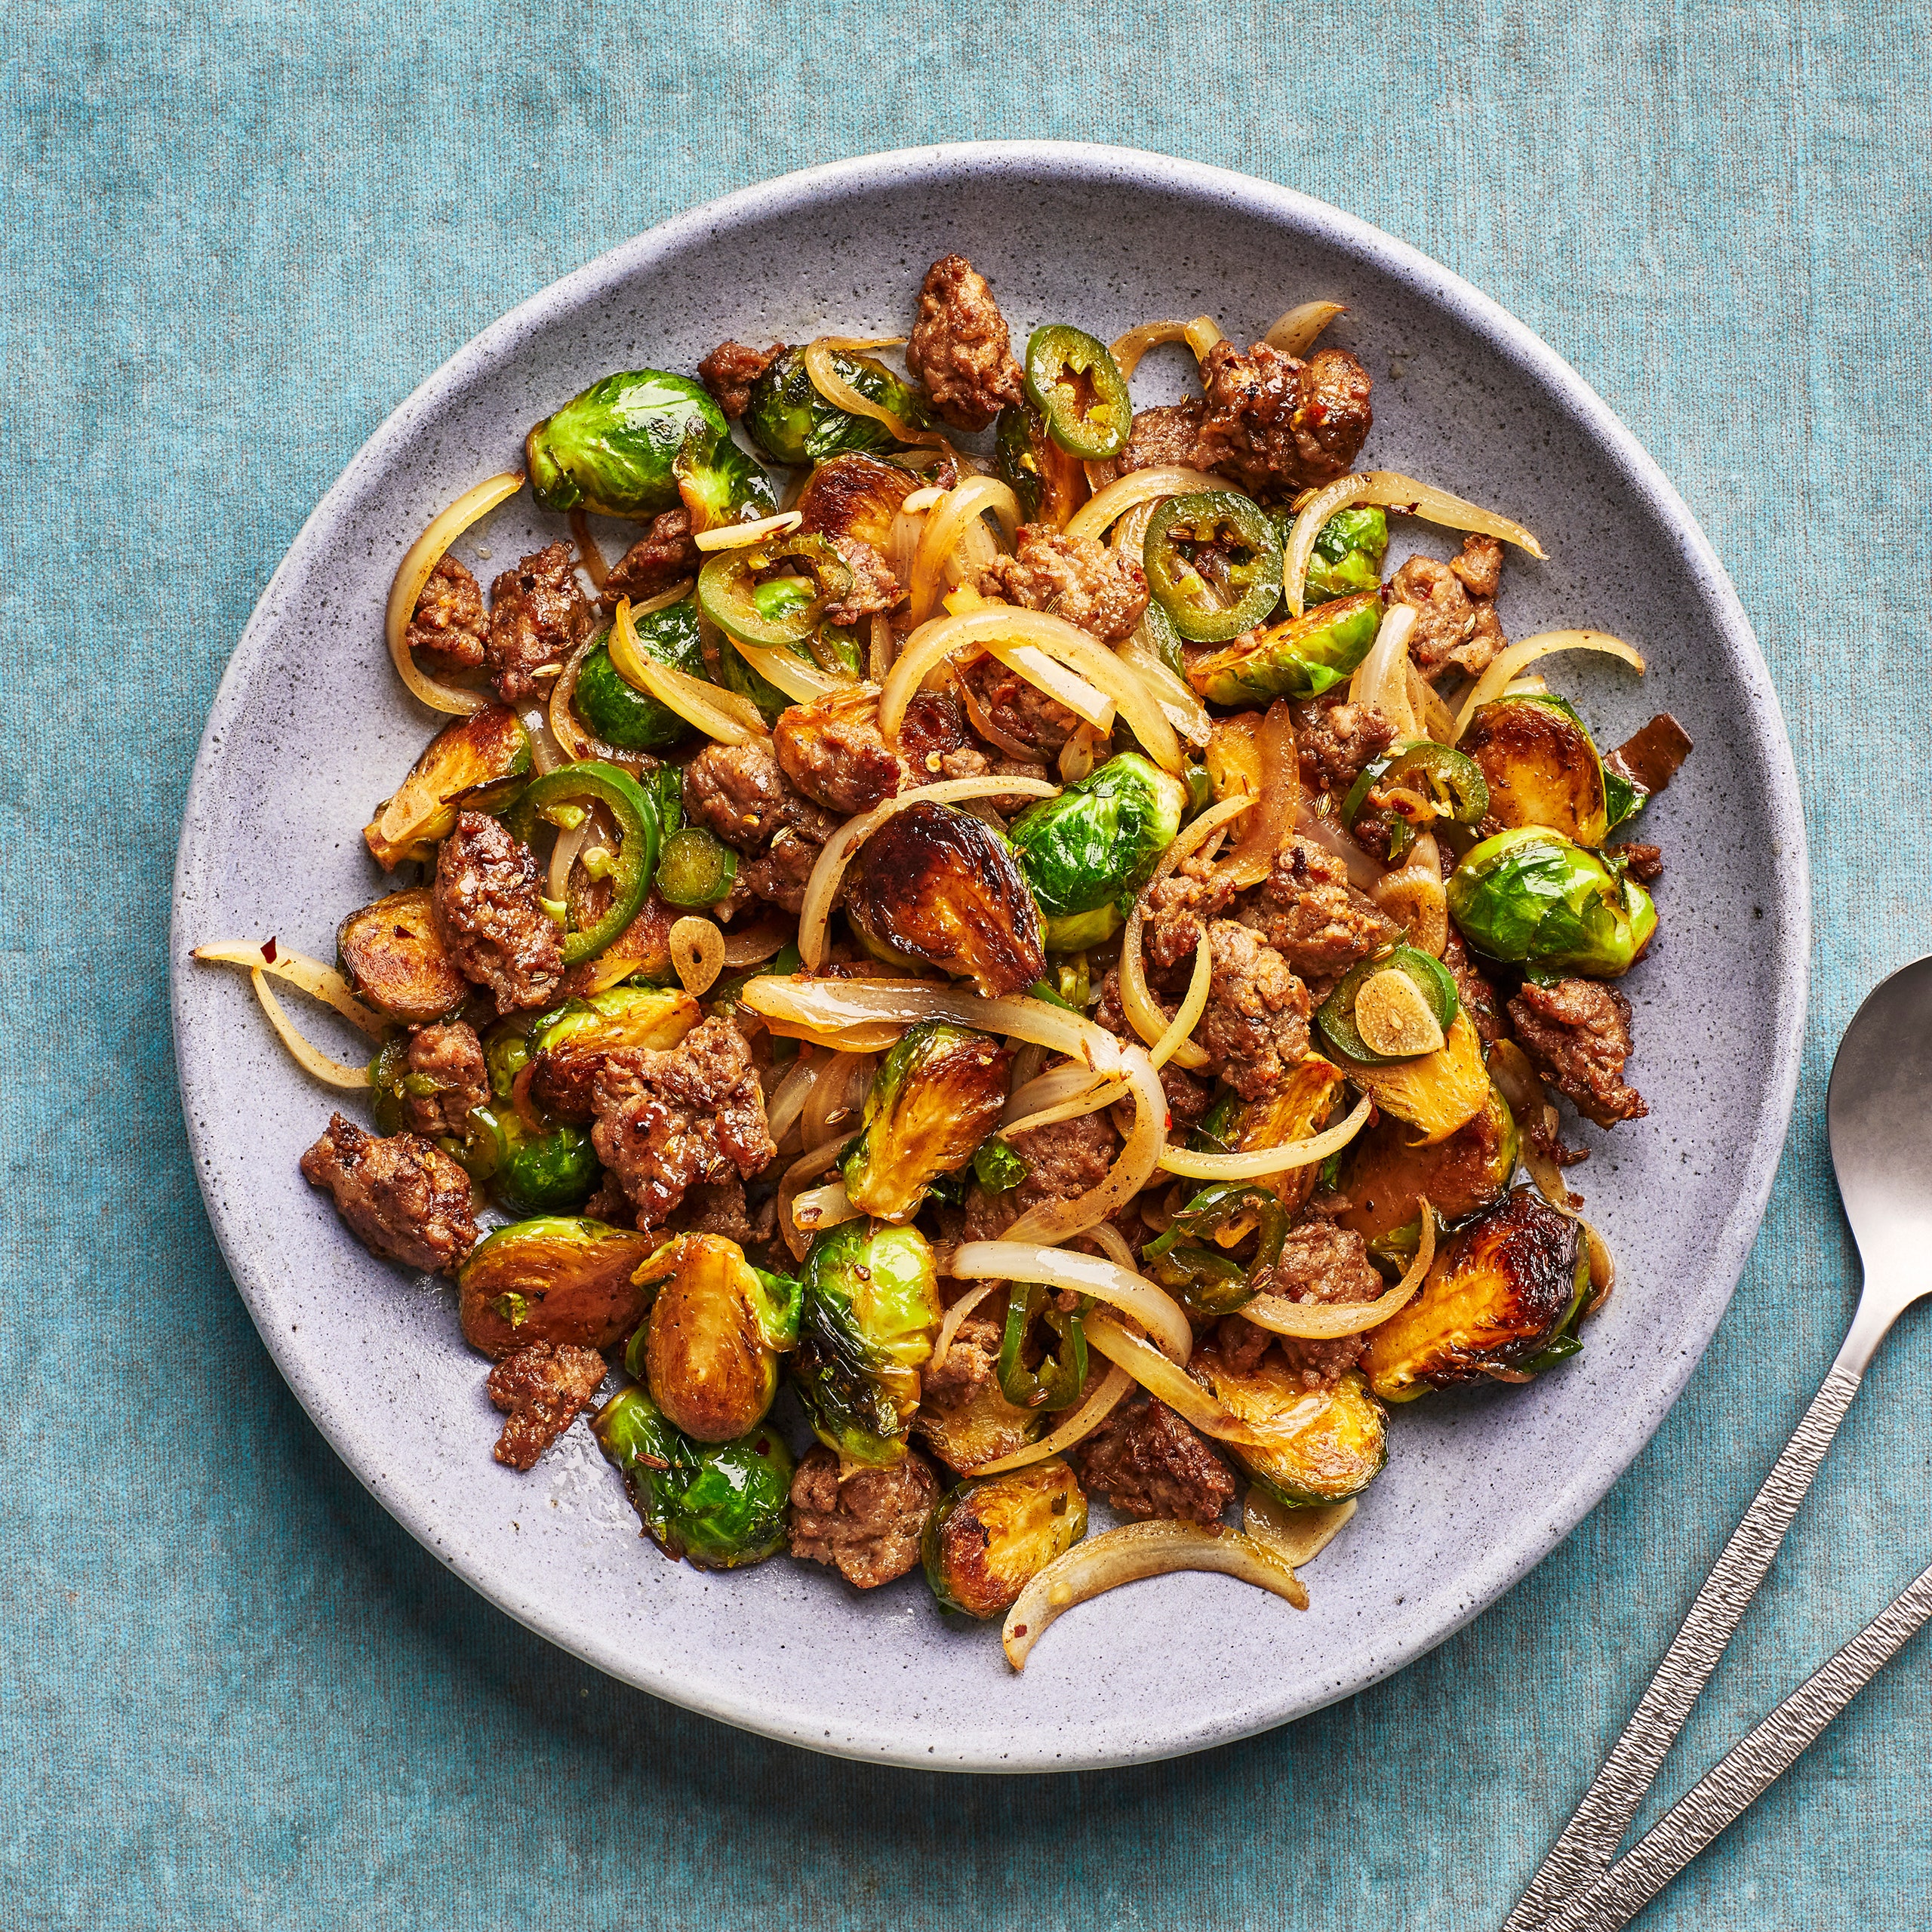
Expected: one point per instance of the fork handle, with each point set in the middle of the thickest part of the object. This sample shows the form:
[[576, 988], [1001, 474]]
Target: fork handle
[[1582, 1854]]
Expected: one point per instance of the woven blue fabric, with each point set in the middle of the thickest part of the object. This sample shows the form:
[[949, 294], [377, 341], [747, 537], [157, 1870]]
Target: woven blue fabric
[[231, 1692]]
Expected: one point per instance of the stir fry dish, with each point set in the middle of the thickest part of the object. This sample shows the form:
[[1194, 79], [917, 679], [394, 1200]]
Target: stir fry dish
[[998, 958]]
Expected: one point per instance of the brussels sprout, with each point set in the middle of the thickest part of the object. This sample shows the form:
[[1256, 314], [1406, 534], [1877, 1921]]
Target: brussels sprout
[[988, 1540], [937, 1094], [478, 763], [794, 425], [529, 1173], [1093, 847], [1297, 1108], [557, 1279], [392, 955], [966, 1427], [568, 1043], [1050, 484], [1383, 1177], [718, 1505], [1541, 767], [640, 442], [1437, 1092], [617, 712], [710, 1350], [1323, 1446], [1302, 658], [945, 888], [855, 496], [1502, 1291], [1336, 1014], [1531, 896], [871, 1314], [1348, 555]]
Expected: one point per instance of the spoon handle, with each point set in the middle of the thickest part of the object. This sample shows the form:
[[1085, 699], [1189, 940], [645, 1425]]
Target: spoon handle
[[1584, 1851]]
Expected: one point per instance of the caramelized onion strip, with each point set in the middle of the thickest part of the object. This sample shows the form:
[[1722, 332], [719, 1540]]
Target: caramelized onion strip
[[1325, 1321], [957, 512], [1180, 1029], [1167, 1382], [830, 384], [1259, 1162], [311, 976], [1508, 665], [741, 535], [722, 715], [1296, 333], [1105, 1399], [1138, 486], [310, 1059], [1131, 1293]]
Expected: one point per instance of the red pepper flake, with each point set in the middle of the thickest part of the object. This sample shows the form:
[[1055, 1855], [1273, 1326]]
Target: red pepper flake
[[268, 950], [1019, 1629]]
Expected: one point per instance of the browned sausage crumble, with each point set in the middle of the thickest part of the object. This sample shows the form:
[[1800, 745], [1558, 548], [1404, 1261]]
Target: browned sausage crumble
[[541, 1389]]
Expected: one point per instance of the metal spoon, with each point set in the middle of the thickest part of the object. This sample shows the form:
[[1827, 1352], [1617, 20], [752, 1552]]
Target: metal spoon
[[1879, 1114]]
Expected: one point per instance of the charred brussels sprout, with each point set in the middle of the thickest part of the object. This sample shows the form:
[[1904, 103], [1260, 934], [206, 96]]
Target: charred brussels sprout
[[1383, 1177], [1533, 898], [1323, 1445], [966, 1427], [1348, 555], [710, 1350], [478, 763], [794, 425], [554, 1280], [1090, 849], [719, 1505], [1542, 767], [622, 715], [1302, 658], [988, 1540], [567, 1045], [870, 1315], [944, 888], [1434, 1093], [855, 496], [1500, 1293], [392, 955], [642, 442], [551, 1173], [936, 1096]]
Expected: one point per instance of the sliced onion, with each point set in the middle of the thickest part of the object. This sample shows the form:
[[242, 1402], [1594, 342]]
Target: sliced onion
[[1182, 1026], [1310, 520], [1363, 872], [1094, 708], [413, 572], [822, 888], [563, 855], [1508, 664], [1076, 756], [1415, 898], [838, 1090], [1603, 1270], [923, 499], [879, 652], [1101, 667], [960, 509], [956, 1318], [741, 535], [1113, 1243], [590, 549], [1296, 1536], [1105, 1399], [1297, 331], [756, 943], [1382, 678], [807, 1167], [1047, 1090], [722, 715], [818, 1207], [1437, 720], [1051, 1222], [1202, 334], [1091, 1099], [802, 682], [1253, 860], [1133, 1293], [1178, 705], [1127, 349], [830, 384], [1259, 1162], [787, 1099], [1519, 1083], [1130, 1552], [578, 744], [1320, 1322], [1167, 1382], [697, 954], [1137, 486], [310, 1059], [318, 981]]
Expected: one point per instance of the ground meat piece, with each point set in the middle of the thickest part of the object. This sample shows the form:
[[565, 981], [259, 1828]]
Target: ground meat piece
[[1278, 425], [1480, 566], [664, 553], [448, 631], [489, 914], [541, 1388], [739, 792], [960, 348], [1063, 1162], [718, 1207], [1016, 709], [779, 876], [1161, 438], [869, 1524], [537, 615], [1322, 1263], [610, 1204], [1094, 588], [1477, 995], [1577, 1031], [665, 1121], [1148, 1463], [1309, 913], [970, 1362], [1646, 862], [934, 742], [403, 1198], [832, 750], [452, 1058], [1335, 738], [729, 371], [1256, 1027], [1178, 906], [1187, 1099], [873, 588], [1453, 631], [1241, 1344]]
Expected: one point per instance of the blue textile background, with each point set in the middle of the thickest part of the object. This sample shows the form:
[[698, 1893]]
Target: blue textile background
[[231, 1692]]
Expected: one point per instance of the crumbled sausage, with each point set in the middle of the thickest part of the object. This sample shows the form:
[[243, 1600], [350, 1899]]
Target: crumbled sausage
[[489, 914], [832, 750], [1187, 1099], [1480, 566], [739, 792], [1309, 912], [1148, 1463], [541, 1388], [1175, 910], [610, 1203], [868, 1525], [665, 552], [1335, 738], [1255, 1028], [780, 876], [873, 587], [1241, 1344], [1015, 710], [665, 1121], [448, 631], [934, 742], [1277, 425], [403, 1198], [729, 371], [1645, 862], [1094, 588], [1453, 631], [1063, 1161], [720, 1207], [1161, 438], [1322, 1263], [970, 1362], [448, 1062], [1477, 995], [1577, 1031], [960, 348], [537, 615]]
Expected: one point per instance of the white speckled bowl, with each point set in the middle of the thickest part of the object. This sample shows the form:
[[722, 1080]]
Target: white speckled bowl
[[310, 727]]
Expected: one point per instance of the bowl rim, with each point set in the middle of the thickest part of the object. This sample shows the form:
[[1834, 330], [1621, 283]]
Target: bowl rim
[[1756, 1158]]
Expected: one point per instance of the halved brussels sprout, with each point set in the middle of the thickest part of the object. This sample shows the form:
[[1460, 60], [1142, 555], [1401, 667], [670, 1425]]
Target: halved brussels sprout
[[1050, 484], [1383, 1176], [477, 764], [1348, 555], [967, 1427], [1542, 765], [1437, 1092], [1501, 1291], [943, 886], [639, 442], [557, 1279], [642, 951], [392, 955], [1302, 658], [988, 1540], [527, 1173], [615, 710], [1430, 976], [871, 1314], [1094, 846], [569, 1043], [1297, 1110], [937, 1094], [856, 495], [1531, 896], [794, 425], [710, 1350], [718, 1505], [1323, 1445]]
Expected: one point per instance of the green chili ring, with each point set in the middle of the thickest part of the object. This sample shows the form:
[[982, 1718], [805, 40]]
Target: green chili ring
[[636, 858], [1056, 1383], [697, 869], [1451, 781], [1093, 425], [1208, 1282], [781, 611], [1224, 521]]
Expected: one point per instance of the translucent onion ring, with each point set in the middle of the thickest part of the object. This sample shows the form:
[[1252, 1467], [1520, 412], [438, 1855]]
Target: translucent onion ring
[[1253, 860], [413, 572], [959, 509], [1131, 1293], [820, 1208], [310, 1059], [755, 944], [1166, 1381], [1047, 1090], [318, 981], [787, 1099], [1363, 872], [1092, 706], [1179, 704], [1519, 1083], [1508, 663], [722, 715], [1382, 677], [1297, 331], [1091, 1100], [579, 744], [1320, 1322], [740, 536], [832, 1101], [807, 1166], [1182, 1026], [1077, 1427], [830, 384], [1137, 486], [802, 682], [697, 954], [1259, 1162], [1101, 667], [1415, 898], [879, 646], [569, 841], [1127, 349]]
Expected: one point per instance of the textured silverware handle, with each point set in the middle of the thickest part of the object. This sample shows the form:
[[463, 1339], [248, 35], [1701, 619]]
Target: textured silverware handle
[[1745, 1772], [1584, 1851]]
